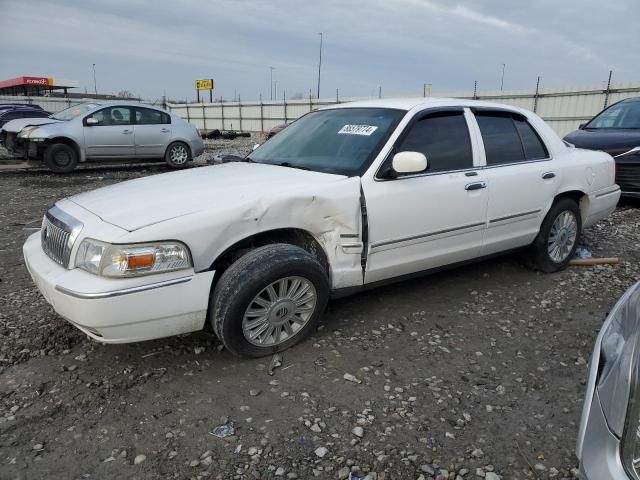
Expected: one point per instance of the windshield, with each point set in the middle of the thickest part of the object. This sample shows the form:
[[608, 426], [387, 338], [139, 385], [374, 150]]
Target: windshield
[[341, 141], [72, 112], [620, 115]]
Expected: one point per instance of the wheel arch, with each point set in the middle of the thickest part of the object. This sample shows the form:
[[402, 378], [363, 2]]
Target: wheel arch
[[293, 236], [67, 141], [580, 197]]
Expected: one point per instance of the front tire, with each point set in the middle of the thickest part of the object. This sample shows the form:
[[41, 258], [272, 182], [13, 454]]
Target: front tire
[[177, 155], [556, 243], [268, 300], [61, 158]]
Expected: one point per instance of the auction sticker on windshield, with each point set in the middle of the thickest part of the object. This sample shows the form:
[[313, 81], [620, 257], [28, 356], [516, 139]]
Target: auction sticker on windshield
[[358, 130]]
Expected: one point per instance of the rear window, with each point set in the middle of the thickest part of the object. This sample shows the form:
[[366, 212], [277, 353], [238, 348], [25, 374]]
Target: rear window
[[509, 138], [501, 140]]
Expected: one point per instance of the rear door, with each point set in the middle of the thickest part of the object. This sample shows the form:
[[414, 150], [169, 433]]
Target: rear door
[[520, 176], [153, 132], [112, 136]]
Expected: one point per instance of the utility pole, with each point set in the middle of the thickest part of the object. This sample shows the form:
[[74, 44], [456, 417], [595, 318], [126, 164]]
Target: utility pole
[[95, 86], [271, 83], [502, 79], [319, 64]]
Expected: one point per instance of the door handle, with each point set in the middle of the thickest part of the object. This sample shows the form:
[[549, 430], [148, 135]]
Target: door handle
[[126, 132], [165, 130], [475, 186], [471, 174], [548, 175]]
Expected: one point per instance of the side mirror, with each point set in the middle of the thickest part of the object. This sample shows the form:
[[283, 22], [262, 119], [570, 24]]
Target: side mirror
[[409, 162], [581, 126], [91, 121], [255, 146]]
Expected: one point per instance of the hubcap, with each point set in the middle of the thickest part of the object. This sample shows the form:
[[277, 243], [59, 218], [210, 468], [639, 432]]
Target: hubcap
[[62, 159], [279, 311], [562, 236], [179, 154]]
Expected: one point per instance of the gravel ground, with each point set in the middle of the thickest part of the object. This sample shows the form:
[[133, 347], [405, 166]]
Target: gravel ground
[[476, 372]]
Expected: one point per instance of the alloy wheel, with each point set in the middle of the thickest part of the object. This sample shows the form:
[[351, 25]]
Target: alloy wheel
[[279, 311], [562, 236]]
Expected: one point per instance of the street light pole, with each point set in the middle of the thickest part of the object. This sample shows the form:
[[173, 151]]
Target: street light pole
[[319, 64], [95, 86], [502, 79], [271, 82]]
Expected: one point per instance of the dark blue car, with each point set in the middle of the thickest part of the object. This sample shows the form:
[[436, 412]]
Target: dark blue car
[[616, 130]]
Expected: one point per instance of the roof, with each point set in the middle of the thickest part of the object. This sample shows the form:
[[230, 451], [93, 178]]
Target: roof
[[424, 102]]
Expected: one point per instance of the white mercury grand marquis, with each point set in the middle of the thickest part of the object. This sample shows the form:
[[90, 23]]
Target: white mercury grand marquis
[[345, 198]]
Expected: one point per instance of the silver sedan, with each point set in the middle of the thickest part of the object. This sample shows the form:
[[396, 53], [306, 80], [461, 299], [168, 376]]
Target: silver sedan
[[111, 130]]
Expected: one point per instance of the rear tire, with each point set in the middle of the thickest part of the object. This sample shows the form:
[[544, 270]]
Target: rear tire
[[177, 155], [556, 243], [269, 300], [61, 158]]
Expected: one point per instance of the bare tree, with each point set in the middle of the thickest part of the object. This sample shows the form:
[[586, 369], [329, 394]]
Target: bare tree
[[125, 94]]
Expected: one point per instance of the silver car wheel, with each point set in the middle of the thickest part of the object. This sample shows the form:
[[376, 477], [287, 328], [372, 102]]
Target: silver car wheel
[[179, 154], [562, 236], [279, 311]]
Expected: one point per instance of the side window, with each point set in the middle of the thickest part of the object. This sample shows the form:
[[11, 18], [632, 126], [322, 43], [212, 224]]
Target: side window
[[146, 116], [534, 149], [501, 139], [113, 116], [443, 138]]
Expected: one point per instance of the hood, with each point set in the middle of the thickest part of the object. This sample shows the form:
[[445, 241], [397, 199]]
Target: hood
[[20, 123], [613, 141], [138, 203]]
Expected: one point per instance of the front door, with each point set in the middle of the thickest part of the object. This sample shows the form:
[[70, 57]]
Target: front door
[[153, 132], [434, 218], [112, 135]]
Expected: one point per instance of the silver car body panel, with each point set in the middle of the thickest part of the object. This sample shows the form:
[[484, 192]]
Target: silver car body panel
[[598, 443], [14, 126], [121, 141]]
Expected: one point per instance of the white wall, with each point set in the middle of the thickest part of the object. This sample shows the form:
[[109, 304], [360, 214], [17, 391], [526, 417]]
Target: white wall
[[563, 108]]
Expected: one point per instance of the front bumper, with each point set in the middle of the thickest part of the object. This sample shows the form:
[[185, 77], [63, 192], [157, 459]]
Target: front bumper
[[121, 310]]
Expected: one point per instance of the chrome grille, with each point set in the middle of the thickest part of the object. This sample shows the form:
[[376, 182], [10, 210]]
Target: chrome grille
[[628, 177], [58, 234]]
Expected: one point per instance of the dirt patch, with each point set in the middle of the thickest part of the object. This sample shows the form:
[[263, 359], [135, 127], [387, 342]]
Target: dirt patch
[[472, 372]]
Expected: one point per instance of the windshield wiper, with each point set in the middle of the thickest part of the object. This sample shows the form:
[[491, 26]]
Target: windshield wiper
[[287, 164], [235, 158]]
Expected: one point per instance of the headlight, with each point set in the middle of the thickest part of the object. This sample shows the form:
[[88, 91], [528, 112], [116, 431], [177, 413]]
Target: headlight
[[134, 260], [25, 132]]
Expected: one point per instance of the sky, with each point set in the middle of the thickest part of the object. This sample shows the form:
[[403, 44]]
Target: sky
[[159, 47]]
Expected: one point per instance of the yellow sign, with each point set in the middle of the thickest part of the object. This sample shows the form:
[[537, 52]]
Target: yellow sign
[[206, 84]]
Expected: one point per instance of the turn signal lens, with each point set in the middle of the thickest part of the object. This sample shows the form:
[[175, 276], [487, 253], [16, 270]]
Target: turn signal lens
[[140, 261]]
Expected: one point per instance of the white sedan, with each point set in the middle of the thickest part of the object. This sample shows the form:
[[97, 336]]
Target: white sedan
[[345, 198]]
